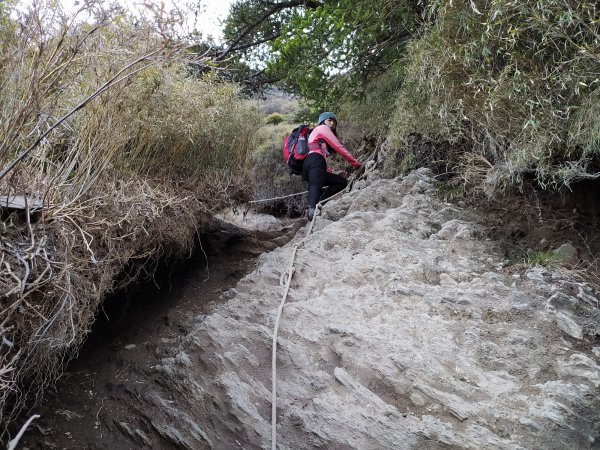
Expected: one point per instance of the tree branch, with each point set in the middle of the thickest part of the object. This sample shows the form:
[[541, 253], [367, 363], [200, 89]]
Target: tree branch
[[260, 41], [274, 9]]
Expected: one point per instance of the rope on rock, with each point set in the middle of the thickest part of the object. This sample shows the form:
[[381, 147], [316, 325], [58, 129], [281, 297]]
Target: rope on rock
[[367, 167], [277, 198], [290, 273]]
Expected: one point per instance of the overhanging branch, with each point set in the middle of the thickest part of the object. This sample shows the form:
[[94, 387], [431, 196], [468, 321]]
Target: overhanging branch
[[274, 9]]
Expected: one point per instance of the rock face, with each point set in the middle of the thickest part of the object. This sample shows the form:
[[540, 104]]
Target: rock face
[[402, 330]]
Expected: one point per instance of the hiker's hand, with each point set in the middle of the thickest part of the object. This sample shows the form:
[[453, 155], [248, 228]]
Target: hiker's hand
[[342, 173]]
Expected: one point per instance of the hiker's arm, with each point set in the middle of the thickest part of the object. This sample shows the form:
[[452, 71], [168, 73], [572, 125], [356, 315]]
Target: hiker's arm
[[337, 146]]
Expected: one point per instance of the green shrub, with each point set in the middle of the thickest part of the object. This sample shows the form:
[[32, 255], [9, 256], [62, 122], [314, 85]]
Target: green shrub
[[274, 119]]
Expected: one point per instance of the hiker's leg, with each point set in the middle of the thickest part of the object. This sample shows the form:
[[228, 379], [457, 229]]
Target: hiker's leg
[[335, 183], [314, 171]]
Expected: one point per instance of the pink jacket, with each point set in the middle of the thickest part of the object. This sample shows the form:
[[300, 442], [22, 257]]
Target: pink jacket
[[322, 139]]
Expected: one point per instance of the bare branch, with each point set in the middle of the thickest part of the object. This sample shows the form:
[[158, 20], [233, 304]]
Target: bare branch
[[274, 9]]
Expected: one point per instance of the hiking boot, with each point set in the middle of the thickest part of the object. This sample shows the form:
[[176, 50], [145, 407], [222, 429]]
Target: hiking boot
[[310, 213]]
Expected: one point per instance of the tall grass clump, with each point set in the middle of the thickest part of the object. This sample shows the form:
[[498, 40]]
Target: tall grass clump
[[105, 122], [518, 81]]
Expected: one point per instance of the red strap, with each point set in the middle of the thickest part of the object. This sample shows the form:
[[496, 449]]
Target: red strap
[[286, 152]]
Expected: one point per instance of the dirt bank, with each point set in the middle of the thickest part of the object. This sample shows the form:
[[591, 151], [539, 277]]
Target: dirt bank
[[94, 400]]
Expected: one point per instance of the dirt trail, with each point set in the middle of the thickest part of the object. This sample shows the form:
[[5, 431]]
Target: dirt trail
[[94, 400]]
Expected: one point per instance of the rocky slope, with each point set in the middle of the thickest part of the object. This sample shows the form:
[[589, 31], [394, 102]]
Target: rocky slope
[[403, 329]]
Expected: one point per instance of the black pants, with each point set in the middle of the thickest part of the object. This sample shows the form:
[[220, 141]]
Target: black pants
[[315, 172]]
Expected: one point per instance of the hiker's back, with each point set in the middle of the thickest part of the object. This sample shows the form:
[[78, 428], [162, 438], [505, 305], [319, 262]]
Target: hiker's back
[[295, 148]]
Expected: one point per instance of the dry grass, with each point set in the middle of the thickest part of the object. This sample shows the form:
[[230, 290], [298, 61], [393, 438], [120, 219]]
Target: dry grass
[[128, 174], [55, 275]]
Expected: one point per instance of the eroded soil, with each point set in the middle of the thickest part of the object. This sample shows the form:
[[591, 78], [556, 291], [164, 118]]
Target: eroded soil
[[91, 404]]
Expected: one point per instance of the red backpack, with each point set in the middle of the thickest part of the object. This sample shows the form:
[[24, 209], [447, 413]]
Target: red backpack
[[295, 148]]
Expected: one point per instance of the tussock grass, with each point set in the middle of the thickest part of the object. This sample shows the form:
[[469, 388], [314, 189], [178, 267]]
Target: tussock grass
[[519, 81], [542, 258], [129, 178]]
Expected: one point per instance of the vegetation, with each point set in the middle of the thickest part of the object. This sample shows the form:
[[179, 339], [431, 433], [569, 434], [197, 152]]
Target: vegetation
[[103, 122], [323, 50], [334, 50], [447, 192], [127, 134], [518, 81], [542, 258], [270, 176], [513, 86], [275, 118]]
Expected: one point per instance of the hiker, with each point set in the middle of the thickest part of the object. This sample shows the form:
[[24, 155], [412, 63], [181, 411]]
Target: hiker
[[321, 143]]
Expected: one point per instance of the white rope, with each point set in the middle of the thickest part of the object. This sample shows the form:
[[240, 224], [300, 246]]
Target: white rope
[[290, 273], [14, 442], [367, 167], [278, 198], [274, 354]]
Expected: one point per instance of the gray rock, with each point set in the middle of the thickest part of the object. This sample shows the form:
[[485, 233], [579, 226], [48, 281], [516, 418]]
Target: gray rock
[[230, 293], [574, 315], [567, 253], [173, 435], [200, 318], [534, 426], [183, 359], [401, 327], [537, 274], [137, 435], [456, 229]]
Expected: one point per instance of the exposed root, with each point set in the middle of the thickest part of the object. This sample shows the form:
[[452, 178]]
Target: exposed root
[[14, 442], [55, 273]]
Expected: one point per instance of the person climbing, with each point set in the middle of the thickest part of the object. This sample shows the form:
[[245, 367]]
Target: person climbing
[[321, 143]]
